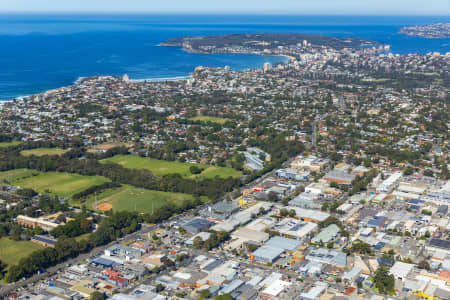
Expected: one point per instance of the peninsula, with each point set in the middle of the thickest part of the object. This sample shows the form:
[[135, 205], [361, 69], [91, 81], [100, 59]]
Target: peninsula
[[431, 31], [261, 43]]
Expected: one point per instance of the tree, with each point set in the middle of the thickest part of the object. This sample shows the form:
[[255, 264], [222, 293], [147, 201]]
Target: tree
[[424, 265], [195, 170], [361, 247], [384, 282], [272, 197], [223, 297], [97, 296], [61, 218], [2, 269], [204, 294], [198, 242], [284, 212]]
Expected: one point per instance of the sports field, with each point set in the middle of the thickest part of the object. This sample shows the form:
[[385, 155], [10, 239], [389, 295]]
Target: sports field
[[7, 144], [17, 174], [210, 119], [43, 151], [163, 167], [129, 198], [11, 252], [60, 184]]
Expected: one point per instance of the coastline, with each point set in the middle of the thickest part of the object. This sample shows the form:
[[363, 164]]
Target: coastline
[[153, 79]]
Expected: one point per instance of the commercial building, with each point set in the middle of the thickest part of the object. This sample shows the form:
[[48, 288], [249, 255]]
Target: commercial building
[[439, 245], [389, 184], [274, 290], [43, 222], [400, 270], [439, 196], [266, 254], [292, 174], [327, 234], [315, 292], [326, 256], [309, 215], [293, 228], [196, 225], [340, 177], [44, 240], [283, 243]]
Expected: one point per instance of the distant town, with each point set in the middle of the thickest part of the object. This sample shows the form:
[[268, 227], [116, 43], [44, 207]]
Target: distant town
[[325, 177], [432, 31]]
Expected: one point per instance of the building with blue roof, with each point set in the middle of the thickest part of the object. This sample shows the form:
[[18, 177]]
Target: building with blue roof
[[377, 222], [283, 243], [326, 256], [104, 262], [266, 254]]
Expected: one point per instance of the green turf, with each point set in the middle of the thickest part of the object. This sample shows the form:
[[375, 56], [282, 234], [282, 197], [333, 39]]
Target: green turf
[[129, 198], [11, 251], [44, 151], [210, 119], [163, 167], [60, 184], [7, 144], [17, 174]]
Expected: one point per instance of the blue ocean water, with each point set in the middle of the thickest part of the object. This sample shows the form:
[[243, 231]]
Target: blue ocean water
[[41, 52]]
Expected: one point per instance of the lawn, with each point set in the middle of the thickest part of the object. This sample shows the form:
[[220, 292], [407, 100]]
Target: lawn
[[7, 144], [129, 198], [12, 251], [210, 119], [17, 174], [43, 151], [163, 167], [60, 184]]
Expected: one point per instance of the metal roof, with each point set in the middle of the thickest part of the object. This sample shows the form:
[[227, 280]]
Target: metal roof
[[283, 243]]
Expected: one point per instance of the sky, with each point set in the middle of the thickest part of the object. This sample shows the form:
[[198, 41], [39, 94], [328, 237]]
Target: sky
[[365, 7]]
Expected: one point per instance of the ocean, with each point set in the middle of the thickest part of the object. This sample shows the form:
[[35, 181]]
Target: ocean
[[41, 52]]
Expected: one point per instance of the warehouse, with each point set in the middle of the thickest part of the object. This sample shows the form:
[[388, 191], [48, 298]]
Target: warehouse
[[331, 257], [310, 215], [196, 225], [266, 254], [340, 177], [400, 270], [283, 243], [327, 235], [292, 228], [439, 245]]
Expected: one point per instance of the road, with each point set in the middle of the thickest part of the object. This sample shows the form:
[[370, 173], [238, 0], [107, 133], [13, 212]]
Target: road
[[133, 236], [52, 270]]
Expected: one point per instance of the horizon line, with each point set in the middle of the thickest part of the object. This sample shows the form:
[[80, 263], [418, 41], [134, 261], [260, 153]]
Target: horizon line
[[227, 13]]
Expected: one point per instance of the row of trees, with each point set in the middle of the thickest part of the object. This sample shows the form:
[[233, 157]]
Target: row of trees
[[215, 239], [96, 189], [213, 188]]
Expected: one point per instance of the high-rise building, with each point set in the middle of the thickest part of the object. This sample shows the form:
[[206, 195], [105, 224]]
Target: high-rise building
[[267, 67]]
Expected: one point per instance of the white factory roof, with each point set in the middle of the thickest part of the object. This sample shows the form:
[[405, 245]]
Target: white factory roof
[[276, 288], [309, 213], [401, 269]]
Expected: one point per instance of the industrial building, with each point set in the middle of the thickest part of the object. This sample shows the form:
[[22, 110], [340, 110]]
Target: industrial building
[[340, 177], [196, 225], [330, 257], [327, 235], [389, 184]]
